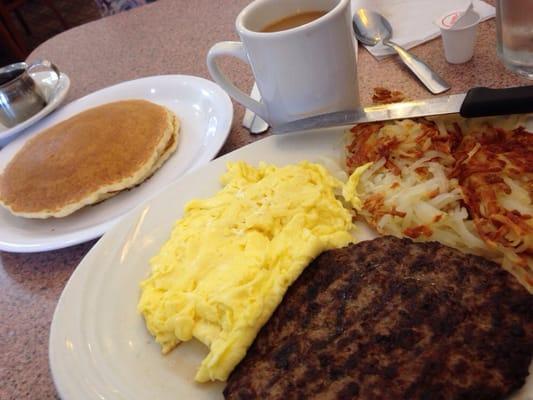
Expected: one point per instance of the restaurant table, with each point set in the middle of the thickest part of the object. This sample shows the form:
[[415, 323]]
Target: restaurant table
[[168, 37]]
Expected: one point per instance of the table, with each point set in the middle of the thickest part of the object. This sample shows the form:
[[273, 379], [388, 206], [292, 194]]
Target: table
[[166, 37]]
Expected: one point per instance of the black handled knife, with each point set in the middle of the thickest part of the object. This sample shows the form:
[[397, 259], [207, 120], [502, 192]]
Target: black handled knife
[[478, 102]]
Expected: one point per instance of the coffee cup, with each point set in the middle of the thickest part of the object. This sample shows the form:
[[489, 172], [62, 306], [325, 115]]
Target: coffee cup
[[302, 54], [20, 97]]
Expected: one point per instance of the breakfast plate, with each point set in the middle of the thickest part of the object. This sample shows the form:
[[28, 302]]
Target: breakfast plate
[[99, 347], [54, 93], [206, 113]]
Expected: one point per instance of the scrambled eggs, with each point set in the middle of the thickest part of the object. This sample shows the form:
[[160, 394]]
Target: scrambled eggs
[[349, 190], [231, 258]]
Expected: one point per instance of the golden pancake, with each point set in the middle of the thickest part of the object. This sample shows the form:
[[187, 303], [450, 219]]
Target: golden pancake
[[169, 149], [88, 158]]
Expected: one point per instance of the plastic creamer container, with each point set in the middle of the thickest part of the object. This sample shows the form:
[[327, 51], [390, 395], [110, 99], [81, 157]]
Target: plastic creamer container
[[459, 37]]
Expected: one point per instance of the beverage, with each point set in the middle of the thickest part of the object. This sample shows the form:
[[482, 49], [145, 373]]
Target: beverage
[[304, 65], [293, 21], [514, 30]]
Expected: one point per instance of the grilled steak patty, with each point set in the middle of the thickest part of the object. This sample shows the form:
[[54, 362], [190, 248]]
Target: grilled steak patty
[[393, 319]]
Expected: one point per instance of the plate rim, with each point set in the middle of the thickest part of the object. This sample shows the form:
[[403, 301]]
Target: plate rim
[[92, 232]]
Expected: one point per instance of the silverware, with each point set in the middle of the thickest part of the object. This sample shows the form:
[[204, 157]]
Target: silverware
[[20, 98], [252, 121], [372, 28], [478, 102]]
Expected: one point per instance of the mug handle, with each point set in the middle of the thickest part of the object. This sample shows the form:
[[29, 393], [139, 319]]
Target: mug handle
[[235, 49], [46, 65]]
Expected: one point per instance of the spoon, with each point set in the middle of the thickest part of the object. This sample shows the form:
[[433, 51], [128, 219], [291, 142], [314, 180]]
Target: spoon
[[372, 28]]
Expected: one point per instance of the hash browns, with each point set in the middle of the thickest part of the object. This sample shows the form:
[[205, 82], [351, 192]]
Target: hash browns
[[481, 197]]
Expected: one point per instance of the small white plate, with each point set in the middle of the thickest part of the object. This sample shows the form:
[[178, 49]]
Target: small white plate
[[206, 113], [54, 93], [99, 347]]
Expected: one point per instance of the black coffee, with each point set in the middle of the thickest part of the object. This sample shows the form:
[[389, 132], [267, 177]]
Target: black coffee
[[6, 77]]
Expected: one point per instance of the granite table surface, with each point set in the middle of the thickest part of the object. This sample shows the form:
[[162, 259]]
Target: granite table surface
[[167, 37]]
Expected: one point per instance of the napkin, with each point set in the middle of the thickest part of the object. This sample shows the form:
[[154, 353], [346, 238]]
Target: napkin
[[412, 21]]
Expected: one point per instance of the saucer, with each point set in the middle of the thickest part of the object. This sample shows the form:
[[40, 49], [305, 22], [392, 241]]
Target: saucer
[[53, 95]]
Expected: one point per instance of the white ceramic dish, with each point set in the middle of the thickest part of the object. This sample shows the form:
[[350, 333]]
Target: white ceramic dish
[[54, 93], [99, 346], [206, 113]]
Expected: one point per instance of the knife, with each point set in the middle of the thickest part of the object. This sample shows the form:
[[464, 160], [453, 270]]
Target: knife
[[477, 102]]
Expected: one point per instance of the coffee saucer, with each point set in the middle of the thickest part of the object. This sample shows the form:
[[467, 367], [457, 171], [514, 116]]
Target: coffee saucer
[[54, 93]]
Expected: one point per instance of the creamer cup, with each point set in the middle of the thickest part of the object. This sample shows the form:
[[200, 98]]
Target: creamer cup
[[458, 42]]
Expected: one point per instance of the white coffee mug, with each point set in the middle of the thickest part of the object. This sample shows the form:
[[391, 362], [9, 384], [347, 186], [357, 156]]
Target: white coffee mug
[[303, 71]]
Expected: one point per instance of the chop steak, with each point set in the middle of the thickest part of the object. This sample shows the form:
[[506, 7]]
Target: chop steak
[[393, 319]]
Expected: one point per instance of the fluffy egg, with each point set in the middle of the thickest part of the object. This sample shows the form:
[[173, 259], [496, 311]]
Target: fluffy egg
[[230, 258]]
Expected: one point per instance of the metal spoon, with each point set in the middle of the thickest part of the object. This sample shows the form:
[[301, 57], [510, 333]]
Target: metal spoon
[[372, 28]]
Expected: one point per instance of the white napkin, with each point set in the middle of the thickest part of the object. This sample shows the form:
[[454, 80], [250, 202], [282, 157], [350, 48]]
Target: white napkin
[[413, 20]]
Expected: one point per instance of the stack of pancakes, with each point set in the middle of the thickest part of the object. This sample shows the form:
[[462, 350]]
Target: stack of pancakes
[[88, 158]]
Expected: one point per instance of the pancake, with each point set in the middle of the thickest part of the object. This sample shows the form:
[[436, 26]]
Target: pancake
[[88, 158]]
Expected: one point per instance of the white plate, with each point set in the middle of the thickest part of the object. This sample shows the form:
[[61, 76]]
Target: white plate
[[206, 113], [99, 346], [54, 93]]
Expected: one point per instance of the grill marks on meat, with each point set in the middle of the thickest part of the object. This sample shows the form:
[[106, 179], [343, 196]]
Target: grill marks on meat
[[393, 319]]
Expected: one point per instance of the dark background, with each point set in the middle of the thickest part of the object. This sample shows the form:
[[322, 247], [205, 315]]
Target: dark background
[[44, 24]]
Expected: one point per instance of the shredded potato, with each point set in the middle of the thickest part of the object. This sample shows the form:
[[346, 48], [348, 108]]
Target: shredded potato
[[465, 183]]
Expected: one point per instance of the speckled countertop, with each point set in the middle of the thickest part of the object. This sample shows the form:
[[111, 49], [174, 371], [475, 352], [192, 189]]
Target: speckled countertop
[[166, 37]]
